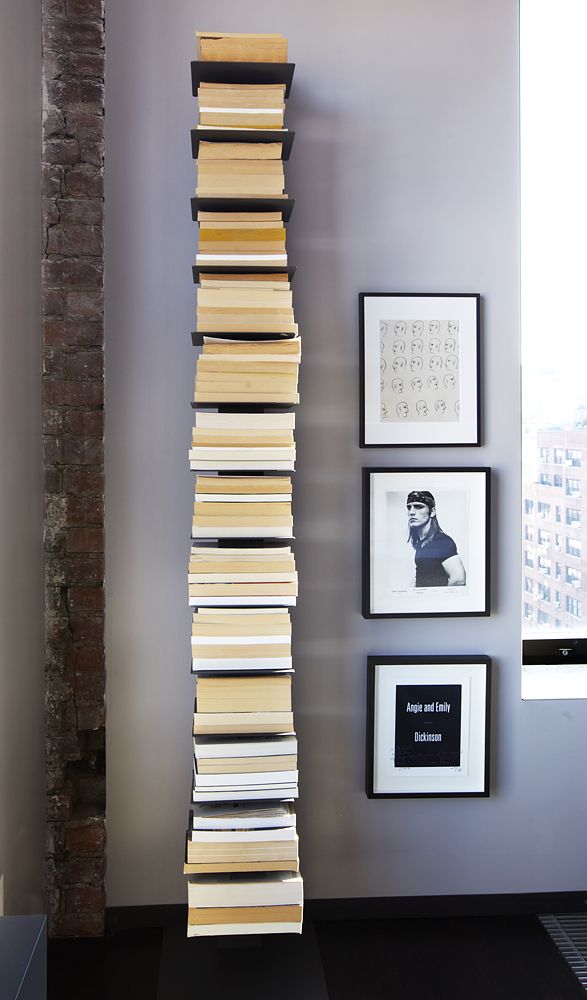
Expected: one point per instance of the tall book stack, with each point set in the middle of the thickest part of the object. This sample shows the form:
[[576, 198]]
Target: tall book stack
[[242, 857]]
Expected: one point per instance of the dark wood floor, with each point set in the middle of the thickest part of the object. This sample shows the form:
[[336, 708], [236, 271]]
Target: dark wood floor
[[481, 958]]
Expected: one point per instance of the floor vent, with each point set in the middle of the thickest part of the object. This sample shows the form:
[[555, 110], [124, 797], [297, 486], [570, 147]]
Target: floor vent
[[569, 933]]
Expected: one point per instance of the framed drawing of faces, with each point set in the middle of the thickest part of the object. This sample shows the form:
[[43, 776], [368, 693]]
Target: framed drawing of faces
[[419, 369], [425, 542]]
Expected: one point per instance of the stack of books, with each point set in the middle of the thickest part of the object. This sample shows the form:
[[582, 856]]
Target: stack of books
[[241, 639], [243, 442], [242, 576], [249, 766], [239, 239], [242, 845], [222, 46], [248, 372], [254, 703], [242, 507], [243, 303], [241, 105]]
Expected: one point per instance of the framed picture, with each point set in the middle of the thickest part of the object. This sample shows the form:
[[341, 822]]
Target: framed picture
[[427, 726], [425, 542], [419, 369]]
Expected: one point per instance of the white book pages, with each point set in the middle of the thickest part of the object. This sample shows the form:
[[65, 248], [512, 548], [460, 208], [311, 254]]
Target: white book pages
[[221, 930], [277, 792]]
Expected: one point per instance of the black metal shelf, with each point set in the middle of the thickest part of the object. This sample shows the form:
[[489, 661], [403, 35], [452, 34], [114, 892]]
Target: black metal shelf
[[241, 72], [198, 269], [257, 135], [283, 205]]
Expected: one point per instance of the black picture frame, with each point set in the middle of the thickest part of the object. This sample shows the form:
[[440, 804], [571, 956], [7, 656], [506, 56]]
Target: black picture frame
[[392, 585], [428, 771], [421, 429]]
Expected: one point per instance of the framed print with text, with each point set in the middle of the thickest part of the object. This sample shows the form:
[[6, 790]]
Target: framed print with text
[[425, 542], [419, 369], [428, 726]]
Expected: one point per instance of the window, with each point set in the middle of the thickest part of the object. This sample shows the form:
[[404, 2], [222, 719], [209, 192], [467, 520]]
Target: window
[[528, 533], [544, 592], [528, 585], [553, 84], [544, 565], [544, 538], [573, 547]]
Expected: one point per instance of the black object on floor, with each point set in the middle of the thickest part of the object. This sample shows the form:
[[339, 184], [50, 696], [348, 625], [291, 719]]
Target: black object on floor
[[121, 966], [481, 958]]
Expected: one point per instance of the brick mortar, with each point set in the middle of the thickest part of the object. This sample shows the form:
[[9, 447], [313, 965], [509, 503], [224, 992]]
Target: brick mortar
[[73, 405]]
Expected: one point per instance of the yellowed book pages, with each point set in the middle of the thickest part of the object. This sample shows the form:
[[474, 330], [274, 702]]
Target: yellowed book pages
[[223, 119], [244, 914], [232, 723], [244, 866], [241, 168], [242, 48], [230, 326], [212, 855], [246, 765], [234, 370], [243, 484], [216, 508], [254, 234], [228, 219], [211, 439], [244, 348], [250, 397], [222, 623], [220, 279], [239, 95], [264, 298], [224, 629], [242, 188], [235, 568], [239, 150]]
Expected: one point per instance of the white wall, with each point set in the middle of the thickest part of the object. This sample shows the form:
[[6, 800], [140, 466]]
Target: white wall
[[405, 170], [22, 721]]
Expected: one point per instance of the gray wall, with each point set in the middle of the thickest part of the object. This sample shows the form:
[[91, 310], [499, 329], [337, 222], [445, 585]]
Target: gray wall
[[405, 170], [22, 723]]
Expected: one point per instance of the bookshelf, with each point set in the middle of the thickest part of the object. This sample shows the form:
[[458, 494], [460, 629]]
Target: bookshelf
[[242, 858]]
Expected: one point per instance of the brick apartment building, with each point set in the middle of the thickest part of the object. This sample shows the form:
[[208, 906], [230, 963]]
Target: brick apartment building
[[554, 533]]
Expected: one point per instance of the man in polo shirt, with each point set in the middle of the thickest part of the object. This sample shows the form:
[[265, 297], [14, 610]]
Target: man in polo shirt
[[438, 563]]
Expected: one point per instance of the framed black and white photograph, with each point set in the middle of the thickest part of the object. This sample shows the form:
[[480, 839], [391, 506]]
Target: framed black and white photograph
[[419, 369], [428, 726], [425, 542]]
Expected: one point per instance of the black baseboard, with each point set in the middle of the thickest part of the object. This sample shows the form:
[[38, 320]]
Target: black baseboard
[[124, 918]]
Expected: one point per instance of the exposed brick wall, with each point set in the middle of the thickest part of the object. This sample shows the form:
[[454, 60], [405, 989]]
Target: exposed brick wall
[[73, 454]]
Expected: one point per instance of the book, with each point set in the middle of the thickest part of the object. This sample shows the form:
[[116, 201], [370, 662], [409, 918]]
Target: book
[[270, 889], [266, 576], [257, 694], [229, 642], [239, 816], [223, 847], [276, 792], [235, 47], [248, 513]]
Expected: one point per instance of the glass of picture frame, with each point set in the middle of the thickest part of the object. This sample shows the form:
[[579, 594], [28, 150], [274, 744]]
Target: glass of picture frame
[[425, 542], [419, 357], [428, 726]]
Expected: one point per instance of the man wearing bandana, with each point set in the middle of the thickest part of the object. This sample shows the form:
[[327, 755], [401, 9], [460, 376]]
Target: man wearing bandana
[[438, 563]]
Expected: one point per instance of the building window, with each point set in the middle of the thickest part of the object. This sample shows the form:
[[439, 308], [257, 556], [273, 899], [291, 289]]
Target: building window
[[545, 454], [557, 480], [528, 533], [528, 612], [573, 457], [573, 606], [543, 510], [574, 547], [573, 576], [573, 516], [573, 488], [544, 592], [544, 538], [528, 506], [542, 618], [544, 565], [559, 456], [529, 559], [528, 585], [558, 512], [544, 479]]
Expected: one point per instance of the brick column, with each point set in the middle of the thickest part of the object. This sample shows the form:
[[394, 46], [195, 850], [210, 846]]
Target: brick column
[[73, 455]]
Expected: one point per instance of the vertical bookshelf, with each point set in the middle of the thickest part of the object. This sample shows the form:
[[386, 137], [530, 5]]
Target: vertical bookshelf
[[242, 858]]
